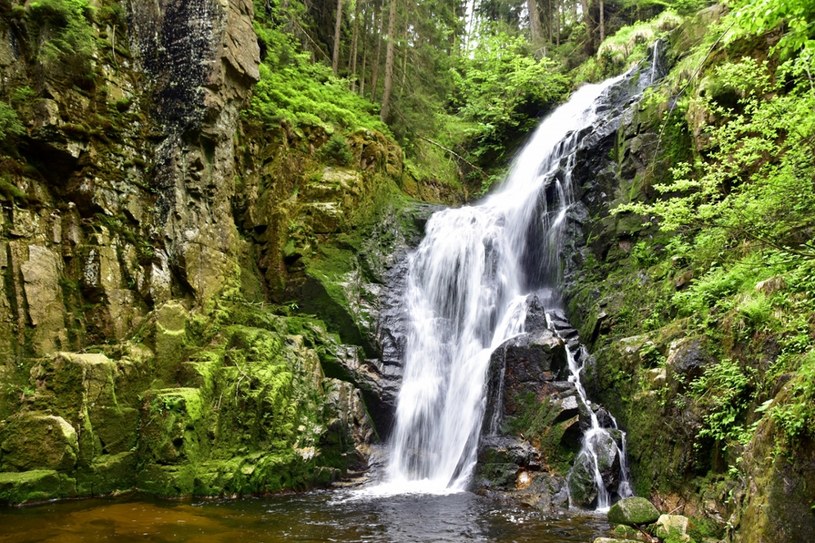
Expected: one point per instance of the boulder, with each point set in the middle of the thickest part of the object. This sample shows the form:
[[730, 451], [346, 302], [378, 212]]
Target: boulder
[[37, 441], [634, 511], [35, 485], [582, 486], [520, 368], [673, 528], [351, 431], [687, 359]]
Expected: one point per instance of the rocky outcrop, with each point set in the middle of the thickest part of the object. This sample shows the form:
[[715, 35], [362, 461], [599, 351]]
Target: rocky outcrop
[[201, 59], [146, 226], [534, 419], [774, 495]]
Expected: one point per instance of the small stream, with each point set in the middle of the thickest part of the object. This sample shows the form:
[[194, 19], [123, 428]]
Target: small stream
[[313, 516]]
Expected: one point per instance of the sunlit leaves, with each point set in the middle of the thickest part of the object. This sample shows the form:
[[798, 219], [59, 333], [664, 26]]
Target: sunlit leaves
[[503, 88]]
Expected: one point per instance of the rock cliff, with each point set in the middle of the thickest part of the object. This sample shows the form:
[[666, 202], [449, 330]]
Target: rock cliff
[[189, 299]]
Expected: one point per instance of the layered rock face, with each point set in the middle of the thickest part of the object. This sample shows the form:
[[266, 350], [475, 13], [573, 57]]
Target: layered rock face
[[146, 228]]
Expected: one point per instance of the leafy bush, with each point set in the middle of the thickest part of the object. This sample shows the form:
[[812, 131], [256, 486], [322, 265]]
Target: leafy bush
[[723, 394], [294, 90], [336, 151], [64, 39], [630, 43], [755, 182], [10, 124], [505, 91], [754, 18], [796, 416]]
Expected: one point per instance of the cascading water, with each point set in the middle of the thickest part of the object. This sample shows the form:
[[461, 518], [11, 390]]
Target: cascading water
[[467, 286]]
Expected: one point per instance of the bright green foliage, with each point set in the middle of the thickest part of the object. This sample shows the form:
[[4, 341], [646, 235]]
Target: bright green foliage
[[504, 90], [10, 124], [797, 415], [757, 17], [630, 44], [64, 38], [336, 151], [295, 90], [723, 394], [756, 182]]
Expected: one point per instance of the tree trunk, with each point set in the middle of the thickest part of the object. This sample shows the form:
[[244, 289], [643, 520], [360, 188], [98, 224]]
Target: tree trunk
[[405, 58], [352, 61], [335, 60], [378, 57], [362, 71], [534, 21], [388, 81], [585, 5], [602, 22]]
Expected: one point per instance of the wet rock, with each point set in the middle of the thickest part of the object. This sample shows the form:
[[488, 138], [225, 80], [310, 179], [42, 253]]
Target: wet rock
[[109, 474], [520, 368], [634, 511], [687, 359], [353, 428], [582, 486], [501, 460]]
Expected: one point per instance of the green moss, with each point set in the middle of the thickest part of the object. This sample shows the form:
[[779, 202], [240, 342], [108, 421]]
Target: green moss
[[65, 40], [108, 474], [536, 421], [34, 486], [633, 512]]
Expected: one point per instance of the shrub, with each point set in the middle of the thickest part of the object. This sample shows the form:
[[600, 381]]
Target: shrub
[[796, 416], [336, 151], [64, 39], [723, 393], [10, 124], [294, 90], [504, 91]]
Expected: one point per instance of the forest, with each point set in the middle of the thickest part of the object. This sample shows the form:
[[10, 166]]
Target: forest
[[215, 215]]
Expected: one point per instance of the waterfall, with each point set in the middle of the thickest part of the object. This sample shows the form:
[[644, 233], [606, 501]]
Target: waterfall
[[466, 291]]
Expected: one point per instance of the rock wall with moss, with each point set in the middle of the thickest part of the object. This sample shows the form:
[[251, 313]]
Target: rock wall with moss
[[189, 293], [701, 324]]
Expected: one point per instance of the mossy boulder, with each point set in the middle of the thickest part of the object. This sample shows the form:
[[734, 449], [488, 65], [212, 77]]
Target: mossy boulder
[[31, 441], [172, 427], [34, 486], [170, 339], [673, 529], [108, 474], [89, 390], [634, 511]]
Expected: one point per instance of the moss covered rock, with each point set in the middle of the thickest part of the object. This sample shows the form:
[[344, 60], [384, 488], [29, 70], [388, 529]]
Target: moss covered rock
[[634, 511], [673, 529], [37, 441], [34, 486]]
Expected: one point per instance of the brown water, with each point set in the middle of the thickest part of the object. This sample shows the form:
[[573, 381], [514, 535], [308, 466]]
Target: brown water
[[316, 516]]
